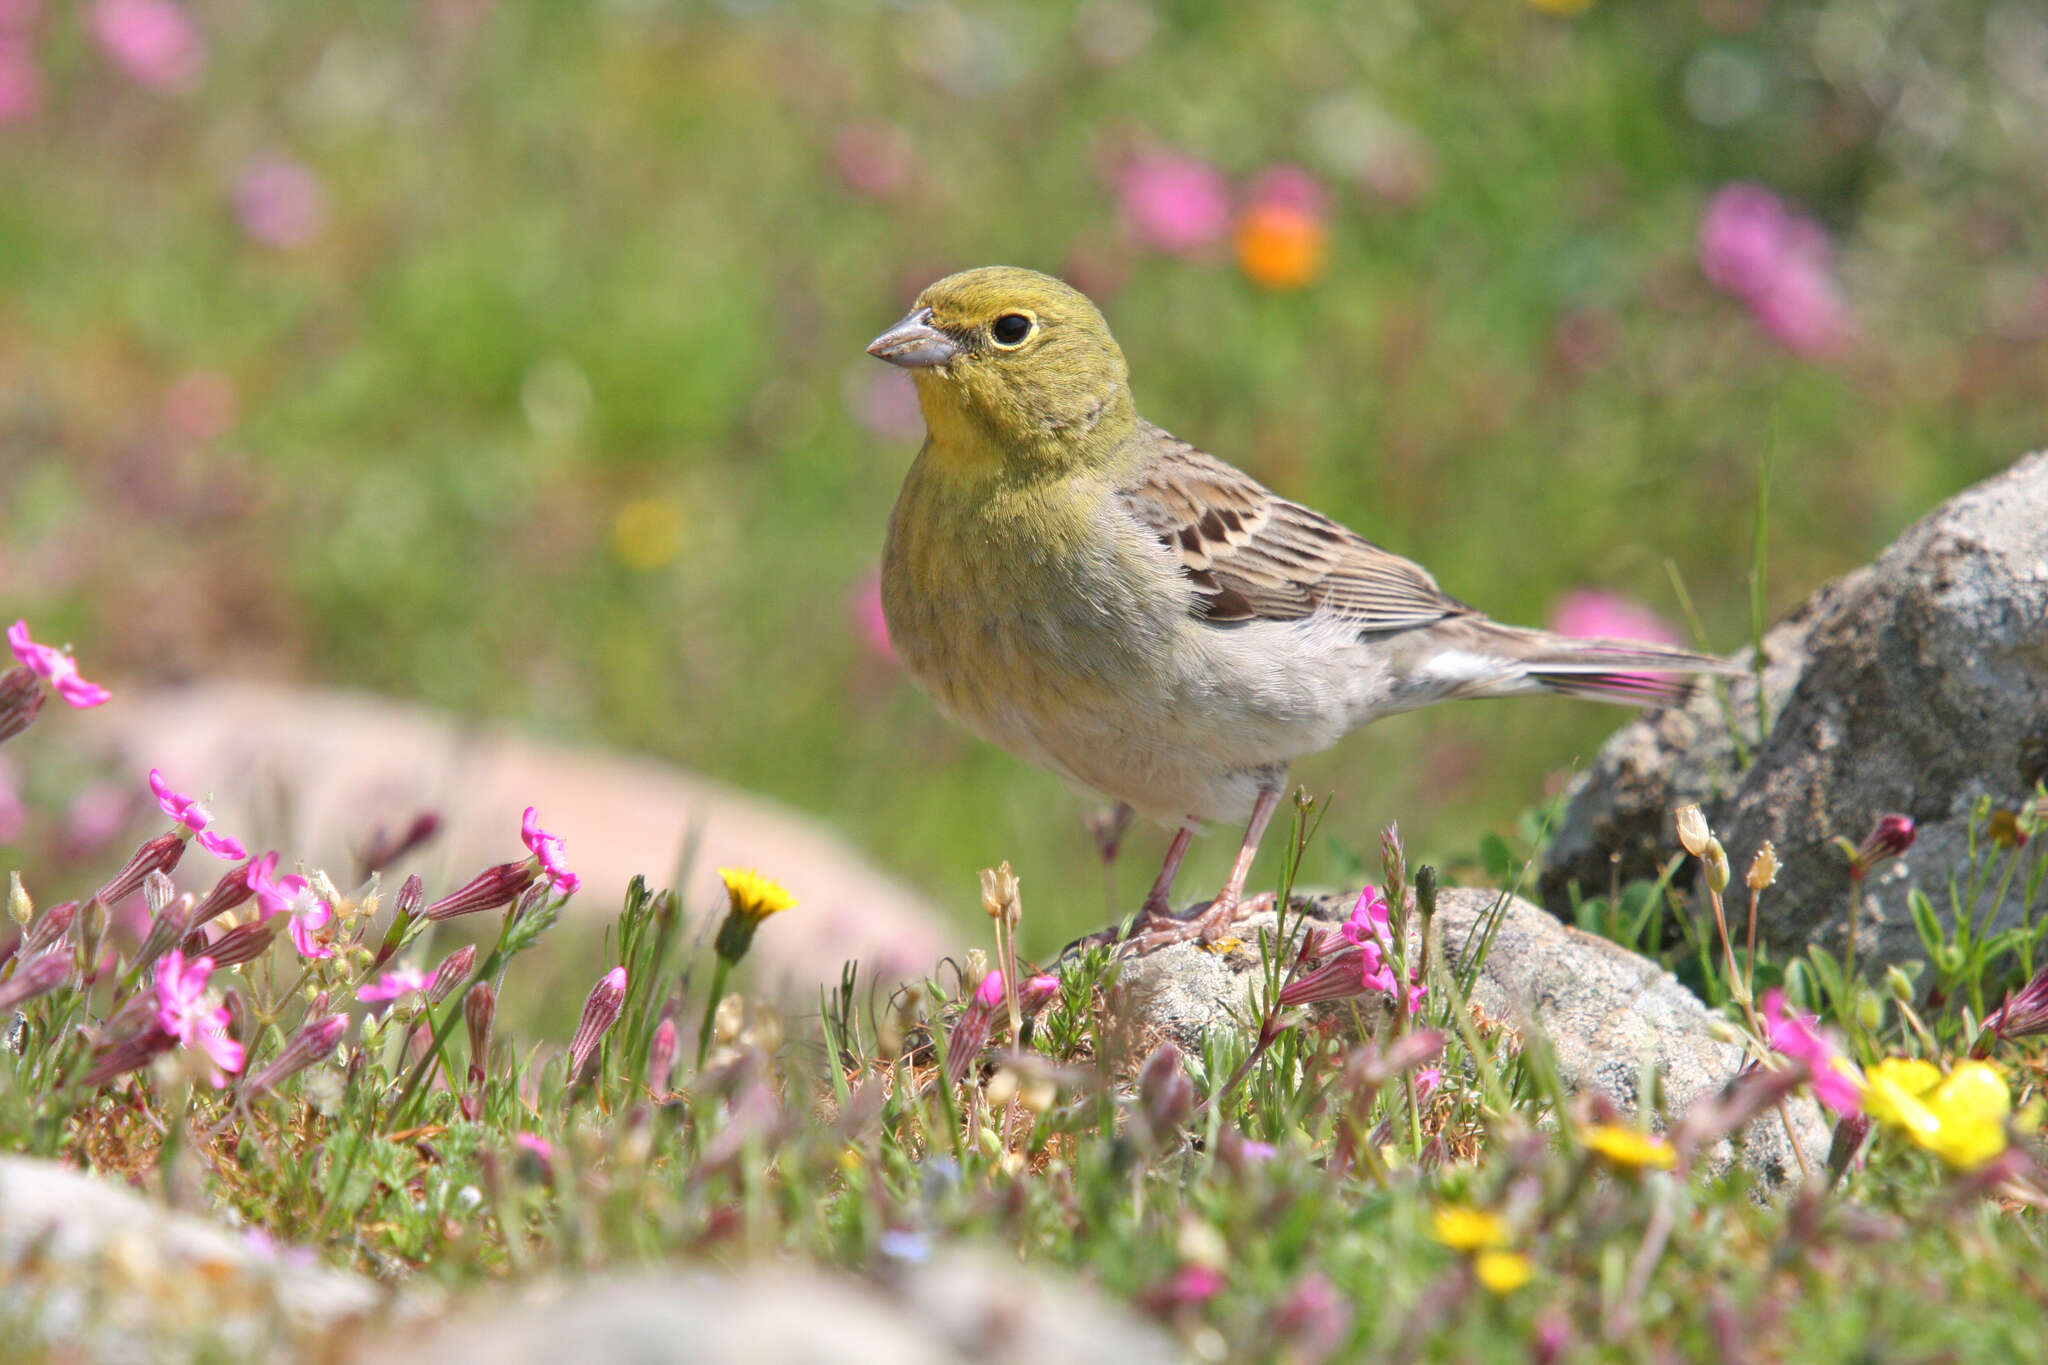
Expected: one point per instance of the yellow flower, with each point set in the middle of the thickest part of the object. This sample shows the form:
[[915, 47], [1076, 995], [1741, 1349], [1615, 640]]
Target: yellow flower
[[647, 533], [753, 895], [1463, 1228], [753, 898], [1630, 1147], [1566, 7], [1960, 1118], [1503, 1272]]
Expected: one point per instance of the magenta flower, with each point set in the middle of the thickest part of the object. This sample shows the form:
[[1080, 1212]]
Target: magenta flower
[[2021, 1016], [1798, 1036], [55, 667], [21, 80], [1427, 1080], [1365, 965], [292, 896], [188, 812], [1290, 187], [280, 203], [1174, 204], [1590, 614], [400, 980], [548, 849], [1036, 991], [185, 1014], [1891, 836], [864, 605], [153, 41], [1777, 260], [971, 1029]]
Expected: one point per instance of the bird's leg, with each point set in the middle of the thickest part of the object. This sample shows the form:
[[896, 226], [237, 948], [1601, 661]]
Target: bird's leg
[[1108, 824], [1224, 908], [1158, 912]]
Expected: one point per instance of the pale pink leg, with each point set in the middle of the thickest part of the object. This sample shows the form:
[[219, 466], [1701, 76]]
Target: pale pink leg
[[1159, 900], [1223, 909]]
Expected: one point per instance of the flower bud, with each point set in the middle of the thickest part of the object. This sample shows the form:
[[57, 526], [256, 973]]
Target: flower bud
[[19, 907], [999, 888], [661, 1056], [21, 701], [1692, 829], [1900, 983], [600, 1012], [479, 1008], [229, 893], [38, 975], [1715, 860], [1763, 869], [453, 971], [489, 889], [312, 1043], [160, 854], [48, 927], [384, 849], [243, 943], [1891, 836]]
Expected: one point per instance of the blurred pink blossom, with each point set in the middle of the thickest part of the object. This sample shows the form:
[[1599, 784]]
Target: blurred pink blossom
[[13, 813], [153, 41], [201, 405], [56, 667], [874, 157], [280, 203], [292, 896], [1590, 614], [864, 605], [184, 1012], [1290, 187], [1835, 1083], [1779, 262], [883, 399], [547, 849], [17, 15], [400, 980], [1173, 203], [95, 818], [21, 80]]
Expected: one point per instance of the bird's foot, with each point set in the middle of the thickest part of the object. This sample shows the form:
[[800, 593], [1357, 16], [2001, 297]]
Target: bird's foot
[[1157, 925]]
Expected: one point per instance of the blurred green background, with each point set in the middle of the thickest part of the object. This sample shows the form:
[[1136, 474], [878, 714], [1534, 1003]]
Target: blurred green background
[[508, 356]]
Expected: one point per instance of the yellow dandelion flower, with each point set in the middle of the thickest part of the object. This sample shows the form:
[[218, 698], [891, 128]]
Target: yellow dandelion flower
[[1960, 1118], [1629, 1147], [1892, 1091], [1464, 1228], [752, 898], [647, 533], [1503, 1272]]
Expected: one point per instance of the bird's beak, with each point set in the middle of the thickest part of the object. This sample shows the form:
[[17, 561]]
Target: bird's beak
[[914, 343]]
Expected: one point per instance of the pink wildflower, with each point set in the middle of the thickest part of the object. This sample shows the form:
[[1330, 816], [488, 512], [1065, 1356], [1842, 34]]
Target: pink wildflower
[[1174, 204], [865, 606], [188, 812], [184, 1013], [153, 41], [875, 158], [404, 979], [280, 203], [55, 667], [1193, 1284], [21, 80], [292, 895], [1798, 1036], [547, 848], [1778, 262], [1890, 837], [1427, 1080], [970, 1031], [600, 1012], [1589, 614], [1291, 187], [1037, 991]]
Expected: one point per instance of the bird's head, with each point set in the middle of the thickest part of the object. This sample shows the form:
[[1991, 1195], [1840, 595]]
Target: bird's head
[[1014, 362]]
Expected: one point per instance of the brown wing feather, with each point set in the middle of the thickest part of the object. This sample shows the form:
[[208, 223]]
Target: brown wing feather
[[1254, 556]]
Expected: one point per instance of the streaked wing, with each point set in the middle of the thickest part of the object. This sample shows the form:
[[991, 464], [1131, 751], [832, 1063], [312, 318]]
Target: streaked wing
[[1254, 556]]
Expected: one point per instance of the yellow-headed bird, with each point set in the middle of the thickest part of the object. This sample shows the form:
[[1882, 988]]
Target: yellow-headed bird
[[1100, 597]]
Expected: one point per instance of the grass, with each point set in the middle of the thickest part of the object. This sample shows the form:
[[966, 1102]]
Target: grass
[[1368, 1183]]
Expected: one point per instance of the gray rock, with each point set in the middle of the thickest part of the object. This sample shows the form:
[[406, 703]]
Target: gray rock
[[1609, 1014], [108, 1275], [960, 1307], [1917, 685]]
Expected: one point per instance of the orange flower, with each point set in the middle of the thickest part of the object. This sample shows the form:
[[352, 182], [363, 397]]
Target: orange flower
[[1281, 246]]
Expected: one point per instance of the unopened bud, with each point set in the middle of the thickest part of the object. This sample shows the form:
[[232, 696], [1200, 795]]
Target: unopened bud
[[600, 1012], [412, 894], [977, 966], [314, 1042], [384, 850], [1692, 830], [36, 976], [48, 927], [21, 701], [661, 1056], [19, 907], [1393, 867], [453, 971], [244, 942], [1763, 869], [230, 892], [1715, 860], [1870, 1012], [489, 889], [479, 1008], [1900, 983], [1891, 836], [999, 890], [160, 854]]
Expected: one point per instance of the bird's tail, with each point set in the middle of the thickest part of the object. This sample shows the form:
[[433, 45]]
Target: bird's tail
[[1511, 661]]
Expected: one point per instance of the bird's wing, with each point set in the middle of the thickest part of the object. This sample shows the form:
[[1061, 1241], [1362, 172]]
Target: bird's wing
[[1252, 555]]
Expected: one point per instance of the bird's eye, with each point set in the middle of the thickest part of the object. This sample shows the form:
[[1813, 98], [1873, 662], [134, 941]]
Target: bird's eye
[[1010, 329]]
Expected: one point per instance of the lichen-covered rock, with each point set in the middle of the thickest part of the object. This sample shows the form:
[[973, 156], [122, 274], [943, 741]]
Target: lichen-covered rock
[[1917, 685], [1609, 1014]]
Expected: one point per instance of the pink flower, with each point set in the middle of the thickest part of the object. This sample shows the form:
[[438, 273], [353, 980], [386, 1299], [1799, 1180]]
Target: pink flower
[[188, 812], [1590, 614], [96, 817], [864, 604], [1174, 204], [1193, 1284], [989, 993], [280, 203], [1290, 187], [201, 405], [548, 849], [153, 41], [874, 158], [1427, 1080], [13, 814], [1037, 990], [1798, 1036], [55, 667], [293, 896], [600, 1012], [21, 80], [1365, 965], [400, 980], [184, 1013], [1778, 262]]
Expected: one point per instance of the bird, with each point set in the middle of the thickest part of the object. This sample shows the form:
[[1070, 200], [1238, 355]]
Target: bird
[[1101, 598]]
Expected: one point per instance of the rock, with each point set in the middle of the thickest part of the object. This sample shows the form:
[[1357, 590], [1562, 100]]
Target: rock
[[961, 1307], [105, 1274], [315, 772], [1607, 1012], [1918, 685]]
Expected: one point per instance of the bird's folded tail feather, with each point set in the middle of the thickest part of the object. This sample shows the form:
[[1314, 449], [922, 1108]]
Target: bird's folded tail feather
[[1624, 671]]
